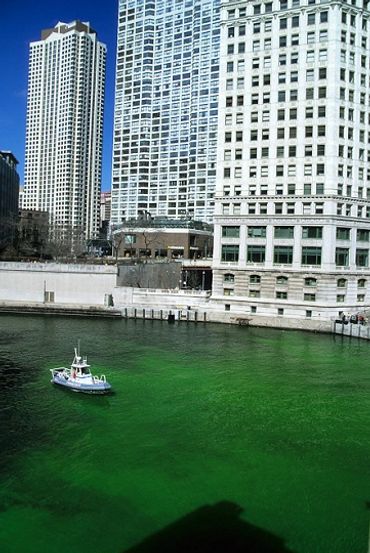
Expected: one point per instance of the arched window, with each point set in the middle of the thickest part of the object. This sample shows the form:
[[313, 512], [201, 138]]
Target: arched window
[[361, 283], [341, 282], [255, 279], [229, 277], [310, 281], [281, 280]]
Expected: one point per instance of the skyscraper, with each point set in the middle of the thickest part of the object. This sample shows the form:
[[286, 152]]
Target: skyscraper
[[292, 225], [165, 122], [64, 126], [9, 193]]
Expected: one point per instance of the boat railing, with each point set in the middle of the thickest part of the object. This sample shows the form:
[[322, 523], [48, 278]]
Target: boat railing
[[101, 379]]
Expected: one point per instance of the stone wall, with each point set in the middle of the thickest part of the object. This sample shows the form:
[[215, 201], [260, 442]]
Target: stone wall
[[57, 283]]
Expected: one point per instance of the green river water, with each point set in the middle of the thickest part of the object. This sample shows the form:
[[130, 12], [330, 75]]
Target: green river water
[[216, 438]]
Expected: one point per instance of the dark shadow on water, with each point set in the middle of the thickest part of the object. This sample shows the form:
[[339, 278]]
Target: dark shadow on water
[[215, 528]]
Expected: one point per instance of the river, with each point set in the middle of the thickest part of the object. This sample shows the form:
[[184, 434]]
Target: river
[[214, 432]]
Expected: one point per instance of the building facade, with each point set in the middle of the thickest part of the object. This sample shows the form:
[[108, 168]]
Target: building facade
[[165, 120], [9, 191], [65, 125], [292, 224], [163, 238]]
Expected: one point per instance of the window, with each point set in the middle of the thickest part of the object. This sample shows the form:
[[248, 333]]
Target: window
[[311, 37], [309, 297], [362, 258], [309, 93], [343, 233], [229, 277], [311, 19], [283, 23], [310, 57], [342, 257], [361, 283], [255, 279], [340, 298], [230, 232], [255, 254], [282, 280], [362, 235], [284, 232], [282, 41], [283, 254], [280, 295], [320, 169], [308, 313], [310, 281], [257, 232], [229, 253], [341, 283], [360, 297], [314, 233], [321, 130], [254, 293], [309, 112], [228, 291], [311, 256], [310, 75], [280, 311]]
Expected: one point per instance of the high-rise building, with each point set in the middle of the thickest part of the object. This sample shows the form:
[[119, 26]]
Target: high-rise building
[[292, 224], [64, 126], [105, 211], [165, 121], [9, 191]]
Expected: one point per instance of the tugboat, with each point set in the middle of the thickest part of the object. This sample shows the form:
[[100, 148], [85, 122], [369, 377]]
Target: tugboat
[[79, 378]]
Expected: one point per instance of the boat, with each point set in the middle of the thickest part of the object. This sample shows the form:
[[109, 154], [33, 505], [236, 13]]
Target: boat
[[79, 377]]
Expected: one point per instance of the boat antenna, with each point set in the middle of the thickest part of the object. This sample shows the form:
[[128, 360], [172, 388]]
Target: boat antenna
[[78, 347]]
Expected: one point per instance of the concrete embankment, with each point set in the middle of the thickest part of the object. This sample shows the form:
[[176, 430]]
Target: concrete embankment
[[42, 309]]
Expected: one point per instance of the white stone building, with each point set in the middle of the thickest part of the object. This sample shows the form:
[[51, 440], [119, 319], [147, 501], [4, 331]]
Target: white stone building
[[165, 119], [292, 223], [64, 126]]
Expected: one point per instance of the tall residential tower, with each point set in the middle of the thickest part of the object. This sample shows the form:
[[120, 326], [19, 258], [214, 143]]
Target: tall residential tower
[[64, 126], [292, 224], [165, 123]]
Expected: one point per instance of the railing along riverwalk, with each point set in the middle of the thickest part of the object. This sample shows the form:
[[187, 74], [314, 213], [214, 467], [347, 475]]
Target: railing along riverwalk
[[170, 315]]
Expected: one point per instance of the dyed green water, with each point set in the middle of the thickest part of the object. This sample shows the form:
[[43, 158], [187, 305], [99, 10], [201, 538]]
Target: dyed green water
[[275, 422]]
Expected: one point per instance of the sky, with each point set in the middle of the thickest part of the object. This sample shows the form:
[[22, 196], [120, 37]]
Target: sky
[[21, 22]]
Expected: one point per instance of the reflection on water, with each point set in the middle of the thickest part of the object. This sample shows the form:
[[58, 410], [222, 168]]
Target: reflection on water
[[277, 423]]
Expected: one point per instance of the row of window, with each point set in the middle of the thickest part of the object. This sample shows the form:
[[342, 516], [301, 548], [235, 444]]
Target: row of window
[[283, 295], [283, 255], [342, 233], [282, 280], [290, 208]]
